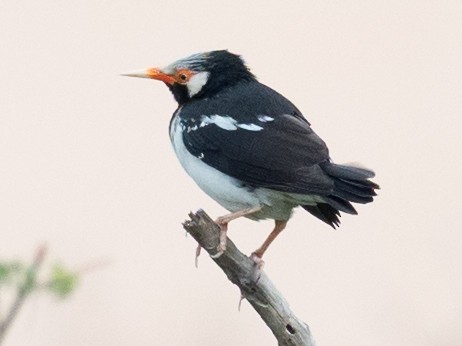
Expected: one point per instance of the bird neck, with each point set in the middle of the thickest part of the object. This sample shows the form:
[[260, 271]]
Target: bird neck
[[180, 93]]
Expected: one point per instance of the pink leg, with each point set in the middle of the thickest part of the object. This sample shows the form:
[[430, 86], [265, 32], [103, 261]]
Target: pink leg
[[223, 221], [233, 216], [257, 255]]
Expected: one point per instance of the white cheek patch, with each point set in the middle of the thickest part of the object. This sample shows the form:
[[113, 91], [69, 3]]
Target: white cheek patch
[[196, 83], [227, 123]]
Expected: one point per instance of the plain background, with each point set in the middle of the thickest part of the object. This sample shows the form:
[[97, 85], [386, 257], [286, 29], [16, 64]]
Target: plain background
[[87, 168]]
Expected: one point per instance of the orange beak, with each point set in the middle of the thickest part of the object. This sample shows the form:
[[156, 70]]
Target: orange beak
[[151, 73]]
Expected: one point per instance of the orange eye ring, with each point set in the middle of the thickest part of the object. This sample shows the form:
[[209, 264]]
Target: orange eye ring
[[182, 76]]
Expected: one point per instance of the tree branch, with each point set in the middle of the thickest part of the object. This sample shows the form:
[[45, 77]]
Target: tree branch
[[23, 291], [260, 292]]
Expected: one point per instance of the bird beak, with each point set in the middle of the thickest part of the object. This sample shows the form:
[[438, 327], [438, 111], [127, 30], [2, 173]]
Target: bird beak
[[151, 73]]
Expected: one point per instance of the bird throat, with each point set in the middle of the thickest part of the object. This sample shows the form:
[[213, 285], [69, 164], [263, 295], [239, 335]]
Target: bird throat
[[180, 93]]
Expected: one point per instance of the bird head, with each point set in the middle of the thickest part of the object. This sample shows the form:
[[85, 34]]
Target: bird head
[[200, 75]]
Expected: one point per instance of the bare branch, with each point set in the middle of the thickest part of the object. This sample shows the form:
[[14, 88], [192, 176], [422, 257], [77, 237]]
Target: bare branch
[[260, 292], [23, 291]]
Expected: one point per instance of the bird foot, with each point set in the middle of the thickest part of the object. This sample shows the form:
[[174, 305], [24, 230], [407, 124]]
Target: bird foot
[[221, 248], [222, 220], [258, 260], [258, 267]]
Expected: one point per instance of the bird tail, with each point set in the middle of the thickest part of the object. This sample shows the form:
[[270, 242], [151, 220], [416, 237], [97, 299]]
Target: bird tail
[[351, 184]]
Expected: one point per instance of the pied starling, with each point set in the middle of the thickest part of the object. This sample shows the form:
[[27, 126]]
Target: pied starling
[[251, 149]]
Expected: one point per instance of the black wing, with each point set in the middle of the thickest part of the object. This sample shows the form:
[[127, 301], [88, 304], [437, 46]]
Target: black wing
[[264, 140]]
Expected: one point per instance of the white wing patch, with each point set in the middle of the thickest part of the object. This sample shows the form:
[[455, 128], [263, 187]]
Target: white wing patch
[[250, 127], [227, 123], [223, 122], [264, 118]]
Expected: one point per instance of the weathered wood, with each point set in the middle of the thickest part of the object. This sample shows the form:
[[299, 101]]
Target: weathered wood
[[260, 292]]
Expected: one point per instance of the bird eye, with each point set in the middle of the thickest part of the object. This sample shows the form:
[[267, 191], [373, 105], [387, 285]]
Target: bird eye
[[182, 76]]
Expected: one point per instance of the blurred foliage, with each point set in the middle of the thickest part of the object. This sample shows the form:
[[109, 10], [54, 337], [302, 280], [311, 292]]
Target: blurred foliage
[[10, 272], [61, 282], [22, 278]]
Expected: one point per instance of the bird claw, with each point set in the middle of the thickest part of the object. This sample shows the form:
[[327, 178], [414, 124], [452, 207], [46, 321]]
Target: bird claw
[[258, 267], [240, 301], [219, 253], [222, 245], [259, 263], [221, 248], [198, 253]]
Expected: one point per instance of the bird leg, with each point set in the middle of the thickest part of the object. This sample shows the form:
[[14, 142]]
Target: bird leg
[[223, 221], [233, 216], [257, 255]]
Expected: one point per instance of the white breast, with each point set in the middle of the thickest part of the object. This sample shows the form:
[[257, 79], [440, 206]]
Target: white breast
[[227, 191]]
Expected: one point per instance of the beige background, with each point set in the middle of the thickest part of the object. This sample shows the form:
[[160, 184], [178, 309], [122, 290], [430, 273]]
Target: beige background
[[86, 166]]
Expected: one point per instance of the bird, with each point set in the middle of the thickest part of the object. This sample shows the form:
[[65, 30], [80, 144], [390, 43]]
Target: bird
[[251, 149]]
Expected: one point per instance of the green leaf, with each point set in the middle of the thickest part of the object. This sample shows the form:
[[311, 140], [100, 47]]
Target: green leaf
[[11, 272], [62, 282], [4, 272]]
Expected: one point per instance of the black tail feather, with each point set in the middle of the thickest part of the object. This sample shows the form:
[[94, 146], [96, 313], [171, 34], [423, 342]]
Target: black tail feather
[[347, 172], [340, 204], [362, 183], [357, 188], [351, 184], [324, 212]]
